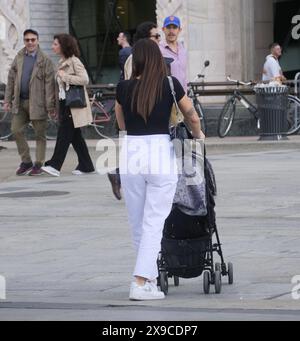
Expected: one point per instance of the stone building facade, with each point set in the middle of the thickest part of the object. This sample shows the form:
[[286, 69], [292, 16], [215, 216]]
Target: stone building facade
[[47, 16], [232, 34]]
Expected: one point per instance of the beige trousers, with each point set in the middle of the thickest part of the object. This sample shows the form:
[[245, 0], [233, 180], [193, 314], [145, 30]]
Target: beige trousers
[[19, 123]]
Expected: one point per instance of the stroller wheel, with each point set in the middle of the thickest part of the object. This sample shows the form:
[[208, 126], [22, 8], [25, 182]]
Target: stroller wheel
[[230, 273], [176, 281], [218, 267], [164, 284], [206, 282], [218, 282]]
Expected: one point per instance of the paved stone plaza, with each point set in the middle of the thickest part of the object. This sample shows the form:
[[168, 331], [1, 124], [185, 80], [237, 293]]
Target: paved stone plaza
[[66, 254]]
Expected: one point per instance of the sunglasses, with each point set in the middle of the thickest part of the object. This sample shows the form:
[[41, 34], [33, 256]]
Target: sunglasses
[[28, 40], [156, 36]]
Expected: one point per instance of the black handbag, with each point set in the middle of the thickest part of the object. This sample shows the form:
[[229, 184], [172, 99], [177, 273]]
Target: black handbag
[[75, 97]]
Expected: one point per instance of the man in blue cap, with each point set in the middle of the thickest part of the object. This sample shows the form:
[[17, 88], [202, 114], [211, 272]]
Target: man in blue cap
[[171, 48]]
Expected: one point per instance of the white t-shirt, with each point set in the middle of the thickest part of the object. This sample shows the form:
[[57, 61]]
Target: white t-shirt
[[128, 68], [272, 68]]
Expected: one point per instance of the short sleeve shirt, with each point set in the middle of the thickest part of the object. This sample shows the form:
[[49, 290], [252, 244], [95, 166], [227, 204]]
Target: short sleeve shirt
[[158, 121], [272, 69]]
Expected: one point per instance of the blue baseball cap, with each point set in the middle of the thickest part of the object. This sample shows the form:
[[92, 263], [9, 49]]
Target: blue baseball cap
[[172, 20]]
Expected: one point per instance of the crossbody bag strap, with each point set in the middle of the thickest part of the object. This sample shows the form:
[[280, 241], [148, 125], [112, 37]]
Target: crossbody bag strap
[[174, 97]]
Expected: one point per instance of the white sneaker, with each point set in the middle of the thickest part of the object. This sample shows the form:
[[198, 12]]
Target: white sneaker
[[79, 173], [147, 292], [51, 171]]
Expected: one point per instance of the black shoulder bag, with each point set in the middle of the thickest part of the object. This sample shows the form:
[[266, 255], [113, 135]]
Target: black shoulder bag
[[75, 97]]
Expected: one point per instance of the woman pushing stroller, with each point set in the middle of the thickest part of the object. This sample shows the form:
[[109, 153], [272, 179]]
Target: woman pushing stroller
[[147, 161]]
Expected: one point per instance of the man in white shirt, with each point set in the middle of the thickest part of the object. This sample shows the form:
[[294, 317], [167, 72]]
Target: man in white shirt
[[272, 69]]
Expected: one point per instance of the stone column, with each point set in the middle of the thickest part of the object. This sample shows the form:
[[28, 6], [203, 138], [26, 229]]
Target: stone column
[[198, 18], [206, 36], [264, 32], [248, 39], [239, 39], [15, 19], [49, 17]]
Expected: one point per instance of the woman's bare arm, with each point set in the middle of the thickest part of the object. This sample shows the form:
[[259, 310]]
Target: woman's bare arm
[[191, 117], [120, 116]]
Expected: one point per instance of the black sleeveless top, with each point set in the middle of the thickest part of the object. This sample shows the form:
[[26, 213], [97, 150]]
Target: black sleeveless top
[[158, 121]]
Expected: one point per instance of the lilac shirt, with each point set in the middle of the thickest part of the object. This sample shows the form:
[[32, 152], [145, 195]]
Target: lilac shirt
[[179, 66]]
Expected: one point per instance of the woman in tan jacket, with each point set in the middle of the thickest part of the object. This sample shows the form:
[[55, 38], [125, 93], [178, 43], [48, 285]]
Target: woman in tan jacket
[[70, 72]]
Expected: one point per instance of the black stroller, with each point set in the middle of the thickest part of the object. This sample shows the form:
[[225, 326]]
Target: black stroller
[[187, 246]]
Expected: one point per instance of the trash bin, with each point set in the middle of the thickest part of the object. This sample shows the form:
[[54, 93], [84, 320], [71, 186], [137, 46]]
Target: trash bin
[[272, 107]]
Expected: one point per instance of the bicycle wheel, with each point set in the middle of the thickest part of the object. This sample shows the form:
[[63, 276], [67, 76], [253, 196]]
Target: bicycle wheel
[[293, 115], [5, 123], [200, 112], [226, 118], [105, 121], [52, 129]]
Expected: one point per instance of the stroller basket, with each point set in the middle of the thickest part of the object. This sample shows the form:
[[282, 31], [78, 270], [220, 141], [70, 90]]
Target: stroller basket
[[185, 258]]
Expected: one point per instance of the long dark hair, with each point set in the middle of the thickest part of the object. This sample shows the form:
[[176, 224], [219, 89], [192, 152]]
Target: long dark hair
[[68, 44], [149, 66]]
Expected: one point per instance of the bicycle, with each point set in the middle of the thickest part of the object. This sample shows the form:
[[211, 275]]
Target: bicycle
[[192, 93], [5, 125], [104, 115], [228, 112], [293, 115]]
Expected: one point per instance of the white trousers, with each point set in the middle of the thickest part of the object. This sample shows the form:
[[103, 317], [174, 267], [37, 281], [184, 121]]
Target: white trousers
[[149, 180]]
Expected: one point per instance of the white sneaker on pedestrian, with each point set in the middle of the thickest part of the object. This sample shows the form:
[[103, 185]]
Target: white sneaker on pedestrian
[[147, 292], [51, 171], [79, 173]]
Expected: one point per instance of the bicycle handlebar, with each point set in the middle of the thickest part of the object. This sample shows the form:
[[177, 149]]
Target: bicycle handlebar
[[239, 82], [202, 75], [199, 77]]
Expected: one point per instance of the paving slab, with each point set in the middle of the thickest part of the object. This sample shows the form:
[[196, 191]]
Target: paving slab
[[68, 255]]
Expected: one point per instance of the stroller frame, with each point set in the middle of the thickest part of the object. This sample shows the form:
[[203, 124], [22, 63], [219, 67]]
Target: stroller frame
[[212, 272]]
